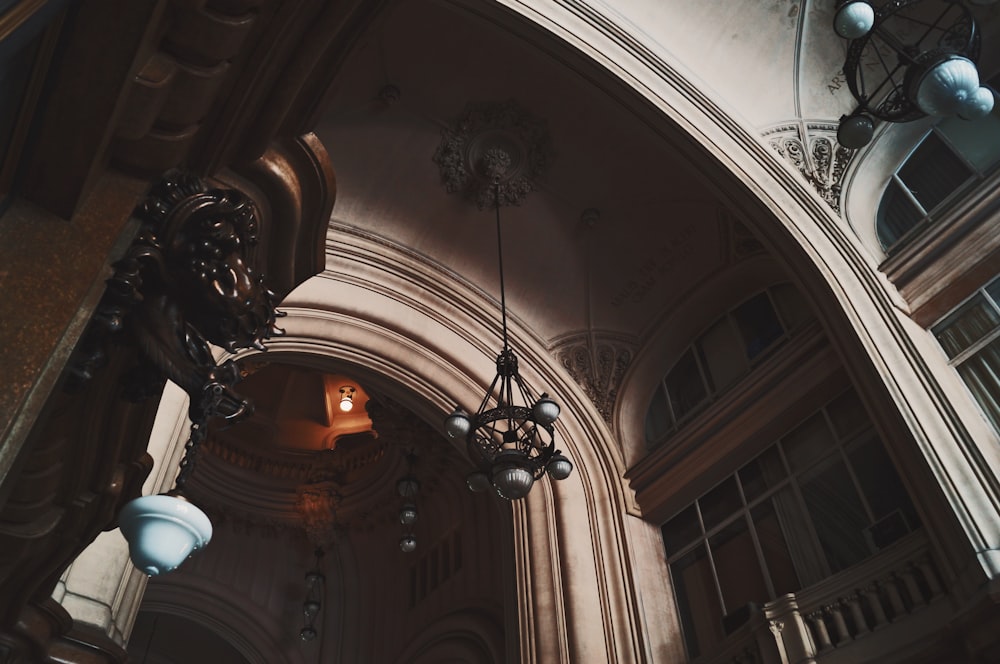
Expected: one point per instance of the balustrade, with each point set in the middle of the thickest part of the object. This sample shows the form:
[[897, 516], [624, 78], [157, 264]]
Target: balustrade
[[839, 611]]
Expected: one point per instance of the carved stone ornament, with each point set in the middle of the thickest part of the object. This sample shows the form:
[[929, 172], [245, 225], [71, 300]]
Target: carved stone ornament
[[493, 142], [818, 156], [185, 283], [598, 368]]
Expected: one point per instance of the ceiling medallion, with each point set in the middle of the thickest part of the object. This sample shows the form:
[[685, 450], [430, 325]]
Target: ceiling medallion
[[493, 142]]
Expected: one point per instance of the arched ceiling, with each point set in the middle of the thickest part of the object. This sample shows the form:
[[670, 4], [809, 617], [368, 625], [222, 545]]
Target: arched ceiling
[[661, 229]]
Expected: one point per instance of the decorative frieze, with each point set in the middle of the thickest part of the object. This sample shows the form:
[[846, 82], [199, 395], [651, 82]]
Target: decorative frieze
[[598, 366], [815, 152]]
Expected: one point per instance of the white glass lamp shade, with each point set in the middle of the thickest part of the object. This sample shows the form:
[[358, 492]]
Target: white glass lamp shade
[[307, 633], [478, 482], [408, 514], [511, 479], [855, 131], [162, 531], [854, 19], [545, 411], [946, 87], [408, 544], [979, 105], [310, 608], [559, 467], [458, 424]]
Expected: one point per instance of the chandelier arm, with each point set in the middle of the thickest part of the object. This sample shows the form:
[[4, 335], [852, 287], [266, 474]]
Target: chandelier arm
[[486, 399]]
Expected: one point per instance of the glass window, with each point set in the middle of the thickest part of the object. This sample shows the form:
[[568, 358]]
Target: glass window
[[758, 324], [763, 531], [971, 338], [722, 355], [685, 388], [955, 154]]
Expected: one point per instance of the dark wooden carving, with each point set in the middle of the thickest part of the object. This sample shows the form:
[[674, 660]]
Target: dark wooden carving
[[185, 283]]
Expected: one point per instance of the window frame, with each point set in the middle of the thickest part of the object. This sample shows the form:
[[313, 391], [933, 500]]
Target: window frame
[[933, 215]]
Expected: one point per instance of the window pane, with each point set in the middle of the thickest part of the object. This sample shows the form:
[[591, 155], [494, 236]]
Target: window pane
[[897, 214], [658, 420], [967, 326], [775, 549], [697, 601], [758, 324], [791, 305], [808, 443], [838, 516], [880, 482], [976, 140], [736, 565], [993, 290], [981, 373], [681, 531], [848, 414], [684, 385], [761, 474], [720, 503], [933, 172], [722, 354]]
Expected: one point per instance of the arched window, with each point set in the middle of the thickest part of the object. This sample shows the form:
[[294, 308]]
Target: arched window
[[724, 353], [954, 156]]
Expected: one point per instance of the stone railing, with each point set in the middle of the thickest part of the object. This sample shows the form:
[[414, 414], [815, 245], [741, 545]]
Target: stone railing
[[830, 616]]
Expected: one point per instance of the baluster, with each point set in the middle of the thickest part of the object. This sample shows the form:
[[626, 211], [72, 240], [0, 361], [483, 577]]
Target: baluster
[[857, 615], [895, 600], [930, 576], [839, 625], [871, 591], [912, 588], [819, 625]]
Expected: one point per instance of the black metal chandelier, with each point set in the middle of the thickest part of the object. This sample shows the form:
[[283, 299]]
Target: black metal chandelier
[[908, 59], [511, 445]]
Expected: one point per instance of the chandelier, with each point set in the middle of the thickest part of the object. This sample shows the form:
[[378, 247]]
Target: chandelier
[[909, 59], [511, 438]]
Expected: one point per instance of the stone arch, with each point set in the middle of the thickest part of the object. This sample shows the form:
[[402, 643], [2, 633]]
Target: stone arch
[[201, 602], [891, 359]]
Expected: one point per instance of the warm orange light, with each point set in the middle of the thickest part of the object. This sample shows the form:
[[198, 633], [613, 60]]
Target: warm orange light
[[346, 398]]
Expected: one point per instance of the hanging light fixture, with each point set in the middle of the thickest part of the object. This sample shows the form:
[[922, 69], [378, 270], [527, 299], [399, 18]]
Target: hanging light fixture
[[511, 438], [347, 398], [407, 488], [313, 604], [909, 59], [163, 530]]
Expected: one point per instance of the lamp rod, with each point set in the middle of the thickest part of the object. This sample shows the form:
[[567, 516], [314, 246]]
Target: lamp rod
[[503, 297]]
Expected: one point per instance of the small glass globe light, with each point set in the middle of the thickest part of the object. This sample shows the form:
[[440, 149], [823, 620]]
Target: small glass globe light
[[458, 424], [511, 479], [307, 633], [545, 411], [314, 577], [855, 131], [945, 86], [979, 105], [408, 544], [478, 482], [854, 19], [559, 467], [310, 608], [346, 398], [408, 514]]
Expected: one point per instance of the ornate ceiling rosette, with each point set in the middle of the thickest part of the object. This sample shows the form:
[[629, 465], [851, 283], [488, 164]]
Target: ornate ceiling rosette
[[493, 142]]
